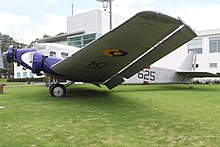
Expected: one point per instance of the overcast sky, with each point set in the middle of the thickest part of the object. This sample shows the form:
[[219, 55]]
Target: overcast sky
[[26, 20]]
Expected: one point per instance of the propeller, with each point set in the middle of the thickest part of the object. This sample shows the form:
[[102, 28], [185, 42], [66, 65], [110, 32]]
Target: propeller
[[1, 60]]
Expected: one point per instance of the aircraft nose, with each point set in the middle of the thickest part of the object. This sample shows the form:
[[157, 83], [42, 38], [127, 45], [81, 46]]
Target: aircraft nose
[[10, 53]]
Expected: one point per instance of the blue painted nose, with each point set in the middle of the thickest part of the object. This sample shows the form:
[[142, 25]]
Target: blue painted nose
[[10, 53]]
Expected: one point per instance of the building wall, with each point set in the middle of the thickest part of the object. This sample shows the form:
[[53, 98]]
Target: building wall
[[95, 21], [84, 21], [19, 72], [174, 59]]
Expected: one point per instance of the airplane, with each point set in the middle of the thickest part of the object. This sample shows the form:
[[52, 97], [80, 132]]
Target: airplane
[[161, 75], [117, 55], [1, 62]]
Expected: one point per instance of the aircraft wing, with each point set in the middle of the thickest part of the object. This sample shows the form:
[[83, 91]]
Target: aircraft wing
[[198, 74], [119, 54]]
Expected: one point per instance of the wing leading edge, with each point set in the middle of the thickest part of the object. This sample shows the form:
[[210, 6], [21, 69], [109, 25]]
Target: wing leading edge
[[119, 54]]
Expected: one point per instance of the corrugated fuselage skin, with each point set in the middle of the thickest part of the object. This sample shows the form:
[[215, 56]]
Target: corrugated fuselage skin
[[157, 75]]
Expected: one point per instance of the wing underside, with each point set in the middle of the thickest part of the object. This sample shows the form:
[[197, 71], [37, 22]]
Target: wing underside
[[137, 43]]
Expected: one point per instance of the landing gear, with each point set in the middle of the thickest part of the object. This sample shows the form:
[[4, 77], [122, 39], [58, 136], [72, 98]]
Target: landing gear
[[57, 90]]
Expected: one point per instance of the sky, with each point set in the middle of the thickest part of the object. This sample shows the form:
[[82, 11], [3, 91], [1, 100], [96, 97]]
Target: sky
[[26, 20]]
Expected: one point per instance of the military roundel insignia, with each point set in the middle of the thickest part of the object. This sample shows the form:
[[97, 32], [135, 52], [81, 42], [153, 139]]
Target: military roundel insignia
[[114, 53]]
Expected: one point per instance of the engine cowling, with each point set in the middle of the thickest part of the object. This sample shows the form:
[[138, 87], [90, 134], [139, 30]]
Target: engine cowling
[[37, 62], [44, 64], [15, 55]]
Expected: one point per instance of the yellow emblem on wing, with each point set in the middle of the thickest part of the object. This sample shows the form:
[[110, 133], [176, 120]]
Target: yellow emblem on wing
[[114, 53]]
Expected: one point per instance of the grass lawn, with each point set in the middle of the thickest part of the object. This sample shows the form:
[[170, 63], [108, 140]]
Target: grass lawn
[[129, 115]]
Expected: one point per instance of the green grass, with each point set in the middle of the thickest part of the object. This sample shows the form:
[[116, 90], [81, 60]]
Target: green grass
[[129, 115]]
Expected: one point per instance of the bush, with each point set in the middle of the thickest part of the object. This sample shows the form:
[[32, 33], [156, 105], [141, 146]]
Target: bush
[[26, 80]]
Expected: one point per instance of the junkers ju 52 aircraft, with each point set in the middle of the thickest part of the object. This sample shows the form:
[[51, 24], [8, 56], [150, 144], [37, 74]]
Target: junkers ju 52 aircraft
[[140, 41]]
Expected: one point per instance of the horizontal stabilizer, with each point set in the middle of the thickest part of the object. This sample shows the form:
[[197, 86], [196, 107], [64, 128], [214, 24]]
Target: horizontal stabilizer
[[198, 74]]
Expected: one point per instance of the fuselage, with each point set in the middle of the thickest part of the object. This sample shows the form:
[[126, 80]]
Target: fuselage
[[157, 75]]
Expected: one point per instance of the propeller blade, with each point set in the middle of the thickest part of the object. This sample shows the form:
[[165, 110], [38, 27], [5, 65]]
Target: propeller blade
[[1, 60]]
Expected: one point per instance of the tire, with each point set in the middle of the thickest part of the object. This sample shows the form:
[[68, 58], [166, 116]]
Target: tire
[[51, 86], [57, 90]]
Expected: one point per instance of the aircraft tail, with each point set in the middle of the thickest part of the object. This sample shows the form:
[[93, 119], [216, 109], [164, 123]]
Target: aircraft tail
[[187, 64], [187, 68]]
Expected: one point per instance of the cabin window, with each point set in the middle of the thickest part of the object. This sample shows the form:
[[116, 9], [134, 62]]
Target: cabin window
[[64, 55], [52, 54]]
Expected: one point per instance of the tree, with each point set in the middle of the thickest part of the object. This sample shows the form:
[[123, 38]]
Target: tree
[[6, 40]]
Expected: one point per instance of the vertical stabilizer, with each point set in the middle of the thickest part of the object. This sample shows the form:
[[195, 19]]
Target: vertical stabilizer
[[188, 62]]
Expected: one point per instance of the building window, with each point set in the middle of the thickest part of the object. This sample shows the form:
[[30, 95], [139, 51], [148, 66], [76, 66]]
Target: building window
[[81, 41], [64, 55], [195, 46], [31, 75], [213, 65], [18, 75], [52, 54], [214, 44], [24, 74]]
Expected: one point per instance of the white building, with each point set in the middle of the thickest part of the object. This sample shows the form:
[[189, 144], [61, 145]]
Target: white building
[[94, 24], [207, 47], [86, 27]]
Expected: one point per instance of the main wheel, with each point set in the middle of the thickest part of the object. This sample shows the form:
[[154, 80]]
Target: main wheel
[[51, 86], [57, 90]]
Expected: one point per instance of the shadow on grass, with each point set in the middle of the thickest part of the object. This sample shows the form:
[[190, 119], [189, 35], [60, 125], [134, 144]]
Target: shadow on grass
[[86, 93], [93, 93]]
